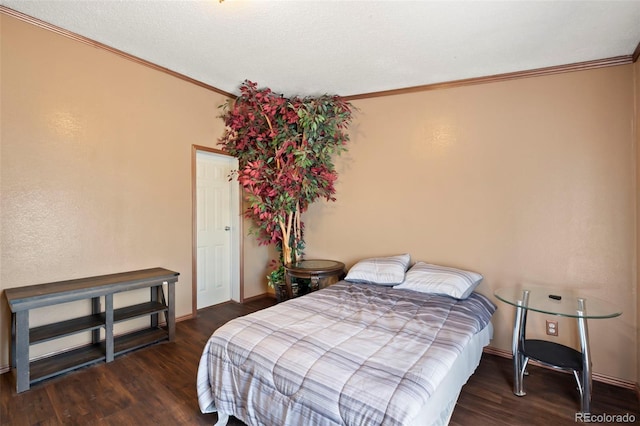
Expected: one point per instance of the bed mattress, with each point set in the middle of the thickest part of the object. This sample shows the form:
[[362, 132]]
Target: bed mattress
[[348, 354]]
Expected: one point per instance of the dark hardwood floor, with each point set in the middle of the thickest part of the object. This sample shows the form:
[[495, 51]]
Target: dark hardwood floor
[[156, 386]]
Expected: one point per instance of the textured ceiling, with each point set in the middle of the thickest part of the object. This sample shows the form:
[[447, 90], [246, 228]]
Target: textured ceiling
[[348, 47]]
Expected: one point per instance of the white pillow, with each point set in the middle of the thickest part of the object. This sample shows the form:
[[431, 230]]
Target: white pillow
[[427, 278], [380, 270]]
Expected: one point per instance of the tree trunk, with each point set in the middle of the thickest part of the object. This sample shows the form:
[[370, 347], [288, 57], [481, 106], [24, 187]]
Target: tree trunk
[[286, 253], [291, 236]]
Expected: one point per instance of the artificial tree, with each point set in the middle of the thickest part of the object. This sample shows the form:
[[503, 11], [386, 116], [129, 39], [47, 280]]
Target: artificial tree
[[284, 148]]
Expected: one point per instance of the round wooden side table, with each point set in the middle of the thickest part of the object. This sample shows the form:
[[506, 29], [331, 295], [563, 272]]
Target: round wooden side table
[[321, 273]]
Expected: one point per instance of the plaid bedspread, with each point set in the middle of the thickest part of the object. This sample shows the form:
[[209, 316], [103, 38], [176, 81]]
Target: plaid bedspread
[[351, 354]]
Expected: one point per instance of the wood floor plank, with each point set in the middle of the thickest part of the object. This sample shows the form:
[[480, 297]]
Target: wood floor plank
[[156, 386]]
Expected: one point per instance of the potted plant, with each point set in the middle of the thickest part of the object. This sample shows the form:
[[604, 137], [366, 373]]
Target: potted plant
[[285, 149]]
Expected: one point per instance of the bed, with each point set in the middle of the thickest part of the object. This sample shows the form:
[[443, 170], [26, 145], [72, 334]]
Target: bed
[[354, 353]]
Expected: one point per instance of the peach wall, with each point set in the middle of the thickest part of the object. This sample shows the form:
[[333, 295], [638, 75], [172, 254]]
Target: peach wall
[[95, 168], [530, 180], [526, 181]]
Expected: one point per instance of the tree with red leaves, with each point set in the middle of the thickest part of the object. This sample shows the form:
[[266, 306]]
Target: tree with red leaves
[[284, 149]]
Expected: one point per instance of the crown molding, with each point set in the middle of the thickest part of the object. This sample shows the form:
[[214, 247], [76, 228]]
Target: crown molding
[[77, 37], [578, 66]]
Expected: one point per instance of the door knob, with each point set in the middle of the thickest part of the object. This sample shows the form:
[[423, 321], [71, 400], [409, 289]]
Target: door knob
[[227, 228]]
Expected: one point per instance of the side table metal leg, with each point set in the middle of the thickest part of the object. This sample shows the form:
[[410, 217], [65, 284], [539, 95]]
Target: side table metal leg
[[586, 357], [519, 359]]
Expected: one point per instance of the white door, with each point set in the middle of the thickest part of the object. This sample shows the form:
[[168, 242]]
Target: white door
[[217, 216]]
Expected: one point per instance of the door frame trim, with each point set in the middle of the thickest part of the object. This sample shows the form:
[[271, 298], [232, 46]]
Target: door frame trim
[[194, 230]]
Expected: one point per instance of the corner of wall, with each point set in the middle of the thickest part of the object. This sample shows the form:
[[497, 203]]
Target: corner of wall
[[636, 129]]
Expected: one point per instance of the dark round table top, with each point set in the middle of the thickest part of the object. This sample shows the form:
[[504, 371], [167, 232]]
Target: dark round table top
[[315, 265]]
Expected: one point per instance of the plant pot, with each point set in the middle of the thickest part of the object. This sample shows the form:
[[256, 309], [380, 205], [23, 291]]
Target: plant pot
[[281, 292]]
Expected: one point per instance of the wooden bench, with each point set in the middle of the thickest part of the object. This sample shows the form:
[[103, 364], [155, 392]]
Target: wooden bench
[[23, 299]]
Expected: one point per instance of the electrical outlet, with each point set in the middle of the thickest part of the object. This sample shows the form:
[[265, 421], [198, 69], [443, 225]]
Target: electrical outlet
[[552, 328]]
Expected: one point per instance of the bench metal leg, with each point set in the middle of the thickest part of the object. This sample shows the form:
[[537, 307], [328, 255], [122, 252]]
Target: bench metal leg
[[12, 360], [171, 321], [95, 310], [108, 312], [22, 351], [155, 297]]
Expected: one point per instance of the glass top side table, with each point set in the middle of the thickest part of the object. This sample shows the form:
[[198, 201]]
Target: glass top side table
[[567, 303], [320, 272]]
